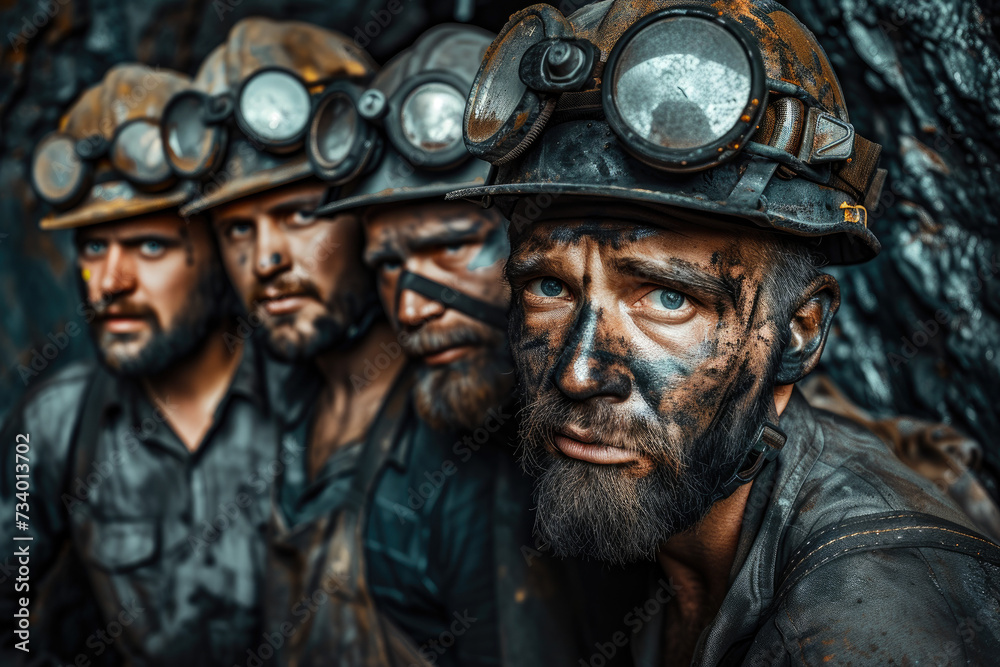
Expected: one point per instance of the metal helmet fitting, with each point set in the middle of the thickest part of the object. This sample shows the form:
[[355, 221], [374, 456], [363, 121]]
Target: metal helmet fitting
[[728, 110], [243, 127], [106, 160], [407, 126]]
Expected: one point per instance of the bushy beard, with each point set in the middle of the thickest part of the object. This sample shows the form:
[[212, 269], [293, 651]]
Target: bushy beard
[[458, 395], [623, 513], [211, 302]]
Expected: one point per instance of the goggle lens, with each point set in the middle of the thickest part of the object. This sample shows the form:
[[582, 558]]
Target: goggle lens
[[335, 128], [432, 117], [189, 142], [57, 171], [274, 106], [682, 83], [137, 153], [500, 89]]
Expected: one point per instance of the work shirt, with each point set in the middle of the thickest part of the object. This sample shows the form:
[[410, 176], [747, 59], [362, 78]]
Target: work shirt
[[920, 606], [427, 537], [169, 542]]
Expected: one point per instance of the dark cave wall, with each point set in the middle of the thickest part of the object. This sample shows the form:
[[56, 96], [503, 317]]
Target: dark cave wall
[[918, 326]]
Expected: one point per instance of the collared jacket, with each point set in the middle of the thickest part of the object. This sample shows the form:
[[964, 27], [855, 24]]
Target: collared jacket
[[142, 551], [449, 556], [894, 606]]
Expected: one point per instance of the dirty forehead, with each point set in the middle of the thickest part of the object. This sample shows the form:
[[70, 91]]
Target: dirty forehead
[[405, 228], [710, 255]]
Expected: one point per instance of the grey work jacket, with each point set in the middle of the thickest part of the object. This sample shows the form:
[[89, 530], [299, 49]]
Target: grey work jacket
[[143, 552], [901, 606]]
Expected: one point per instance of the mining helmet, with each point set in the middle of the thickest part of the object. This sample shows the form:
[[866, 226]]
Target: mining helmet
[[728, 110], [406, 128], [243, 126], [106, 160]]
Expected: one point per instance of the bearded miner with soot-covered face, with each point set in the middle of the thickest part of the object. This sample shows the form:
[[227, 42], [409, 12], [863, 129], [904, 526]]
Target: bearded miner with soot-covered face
[[674, 175]]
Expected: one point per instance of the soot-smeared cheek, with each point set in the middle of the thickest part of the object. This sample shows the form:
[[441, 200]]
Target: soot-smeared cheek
[[533, 350], [655, 377]]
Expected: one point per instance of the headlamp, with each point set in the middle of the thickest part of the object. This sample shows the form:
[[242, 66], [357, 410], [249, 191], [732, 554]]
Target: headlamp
[[63, 168], [272, 108], [339, 126], [422, 120], [503, 111], [684, 89]]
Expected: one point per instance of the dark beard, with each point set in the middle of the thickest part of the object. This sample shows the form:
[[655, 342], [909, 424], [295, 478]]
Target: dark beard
[[210, 304], [458, 395], [620, 513], [332, 332]]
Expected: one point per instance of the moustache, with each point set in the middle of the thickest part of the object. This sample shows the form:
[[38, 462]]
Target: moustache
[[285, 286], [428, 341], [551, 413], [113, 308]]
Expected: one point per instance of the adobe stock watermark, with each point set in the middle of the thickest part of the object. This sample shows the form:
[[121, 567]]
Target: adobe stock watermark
[[257, 484], [40, 357], [927, 329], [634, 620], [435, 648], [462, 449], [82, 488], [381, 19], [31, 24]]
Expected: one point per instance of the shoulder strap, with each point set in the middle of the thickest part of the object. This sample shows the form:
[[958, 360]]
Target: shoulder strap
[[885, 530], [88, 428], [871, 532]]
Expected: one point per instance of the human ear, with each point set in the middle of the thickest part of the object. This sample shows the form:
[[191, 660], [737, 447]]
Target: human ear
[[809, 325]]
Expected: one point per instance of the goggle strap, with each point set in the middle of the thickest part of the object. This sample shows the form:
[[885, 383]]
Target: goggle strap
[[487, 313], [747, 191], [859, 175]]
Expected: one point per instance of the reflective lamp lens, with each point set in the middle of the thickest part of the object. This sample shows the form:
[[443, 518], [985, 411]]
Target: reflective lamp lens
[[432, 117], [500, 88], [335, 126], [57, 171], [274, 106], [138, 154], [682, 82], [190, 143]]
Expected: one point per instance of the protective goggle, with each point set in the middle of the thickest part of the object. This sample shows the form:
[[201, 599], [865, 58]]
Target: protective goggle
[[63, 168], [278, 112], [684, 89], [271, 107], [422, 121]]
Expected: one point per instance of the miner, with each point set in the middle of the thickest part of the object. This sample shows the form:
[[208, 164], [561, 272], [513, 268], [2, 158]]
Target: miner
[[439, 271], [675, 175], [380, 552], [145, 505]]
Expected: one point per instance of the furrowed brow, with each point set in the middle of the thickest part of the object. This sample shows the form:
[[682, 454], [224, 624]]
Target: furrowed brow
[[676, 273]]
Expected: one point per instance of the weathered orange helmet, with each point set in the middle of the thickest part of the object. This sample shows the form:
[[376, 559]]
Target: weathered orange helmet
[[729, 109], [243, 126], [106, 160]]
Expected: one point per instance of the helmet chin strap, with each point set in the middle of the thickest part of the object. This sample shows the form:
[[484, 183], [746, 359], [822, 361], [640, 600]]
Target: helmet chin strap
[[495, 316], [766, 446]]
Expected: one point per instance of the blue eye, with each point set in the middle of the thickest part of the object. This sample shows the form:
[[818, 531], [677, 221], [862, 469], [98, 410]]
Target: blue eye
[[239, 230], [91, 248], [548, 287], [671, 300], [152, 248]]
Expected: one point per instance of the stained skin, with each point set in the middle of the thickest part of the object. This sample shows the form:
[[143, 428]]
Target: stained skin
[[466, 363], [601, 342]]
